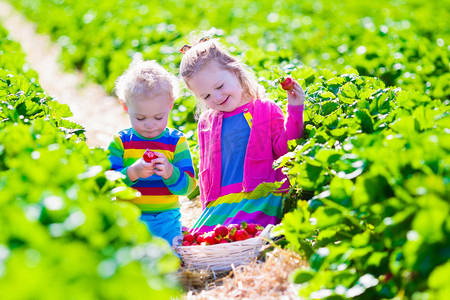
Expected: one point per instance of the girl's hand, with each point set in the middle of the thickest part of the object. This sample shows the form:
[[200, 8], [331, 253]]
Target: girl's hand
[[163, 167], [141, 169], [296, 96]]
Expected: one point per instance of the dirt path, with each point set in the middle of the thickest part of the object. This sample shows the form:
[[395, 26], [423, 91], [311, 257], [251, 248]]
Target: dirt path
[[97, 111]]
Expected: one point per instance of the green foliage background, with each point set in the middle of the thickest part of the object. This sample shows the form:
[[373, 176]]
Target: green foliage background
[[371, 171], [405, 43], [61, 236]]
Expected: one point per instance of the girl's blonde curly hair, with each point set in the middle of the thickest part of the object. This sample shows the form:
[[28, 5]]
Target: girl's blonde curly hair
[[201, 53]]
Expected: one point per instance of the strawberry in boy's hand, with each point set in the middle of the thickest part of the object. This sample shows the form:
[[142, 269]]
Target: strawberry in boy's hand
[[287, 83], [149, 155]]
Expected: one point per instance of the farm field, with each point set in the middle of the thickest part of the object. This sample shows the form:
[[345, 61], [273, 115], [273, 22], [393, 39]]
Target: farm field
[[368, 212]]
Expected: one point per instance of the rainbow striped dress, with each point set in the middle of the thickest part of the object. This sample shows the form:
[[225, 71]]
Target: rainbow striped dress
[[234, 206], [157, 194]]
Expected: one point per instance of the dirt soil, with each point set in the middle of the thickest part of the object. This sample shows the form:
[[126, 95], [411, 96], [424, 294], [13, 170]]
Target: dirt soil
[[94, 109], [102, 116]]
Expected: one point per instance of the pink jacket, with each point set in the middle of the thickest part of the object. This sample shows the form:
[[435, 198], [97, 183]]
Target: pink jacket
[[267, 142]]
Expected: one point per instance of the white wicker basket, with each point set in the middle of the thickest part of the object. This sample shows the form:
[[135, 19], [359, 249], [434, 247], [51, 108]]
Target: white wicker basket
[[219, 257]]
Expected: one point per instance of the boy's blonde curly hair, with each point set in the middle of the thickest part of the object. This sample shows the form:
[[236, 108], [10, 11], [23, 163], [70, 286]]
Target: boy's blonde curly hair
[[146, 78]]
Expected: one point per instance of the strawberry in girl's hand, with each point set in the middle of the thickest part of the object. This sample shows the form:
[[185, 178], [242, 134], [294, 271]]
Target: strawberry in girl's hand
[[287, 83], [149, 155]]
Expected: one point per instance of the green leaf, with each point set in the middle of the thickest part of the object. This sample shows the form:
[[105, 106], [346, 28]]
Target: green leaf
[[438, 279], [327, 94], [301, 276], [340, 188], [365, 119], [349, 90]]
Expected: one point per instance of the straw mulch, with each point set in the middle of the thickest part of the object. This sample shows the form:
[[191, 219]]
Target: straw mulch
[[190, 211], [258, 280]]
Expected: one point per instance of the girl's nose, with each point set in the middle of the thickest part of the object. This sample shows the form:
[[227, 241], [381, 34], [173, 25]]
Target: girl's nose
[[217, 97]]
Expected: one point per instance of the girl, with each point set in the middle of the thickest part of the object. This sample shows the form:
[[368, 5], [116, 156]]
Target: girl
[[240, 134]]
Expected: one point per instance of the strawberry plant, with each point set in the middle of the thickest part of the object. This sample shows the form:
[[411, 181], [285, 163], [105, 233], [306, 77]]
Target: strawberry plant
[[370, 173], [60, 232], [377, 160], [397, 44]]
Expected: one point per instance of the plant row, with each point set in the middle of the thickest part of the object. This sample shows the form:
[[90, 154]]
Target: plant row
[[372, 172], [61, 235], [391, 40]]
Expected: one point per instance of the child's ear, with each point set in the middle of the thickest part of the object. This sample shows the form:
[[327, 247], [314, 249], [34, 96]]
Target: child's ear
[[124, 105], [171, 104]]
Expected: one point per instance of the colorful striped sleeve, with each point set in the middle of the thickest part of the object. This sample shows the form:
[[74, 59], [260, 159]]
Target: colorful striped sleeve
[[182, 181], [115, 157]]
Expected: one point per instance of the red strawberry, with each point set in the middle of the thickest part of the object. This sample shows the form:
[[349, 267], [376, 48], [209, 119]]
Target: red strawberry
[[231, 233], [210, 238], [252, 228], [185, 243], [149, 155], [287, 83], [221, 231], [199, 238], [241, 235], [258, 232], [189, 238], [231, 226]]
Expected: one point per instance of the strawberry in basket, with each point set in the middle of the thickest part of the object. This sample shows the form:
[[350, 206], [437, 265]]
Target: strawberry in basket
[[252, 229], [223, 234], [188, 239]]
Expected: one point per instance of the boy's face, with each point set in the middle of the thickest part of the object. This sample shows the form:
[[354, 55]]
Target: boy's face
[[149, 115]]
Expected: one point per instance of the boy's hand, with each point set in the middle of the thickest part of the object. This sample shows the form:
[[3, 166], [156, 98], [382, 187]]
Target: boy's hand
[[163, 167], [296, 96], [141, 169]]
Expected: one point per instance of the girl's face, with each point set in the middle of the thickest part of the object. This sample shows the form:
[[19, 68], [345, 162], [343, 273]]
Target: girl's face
[[218, 88], [149, 115]]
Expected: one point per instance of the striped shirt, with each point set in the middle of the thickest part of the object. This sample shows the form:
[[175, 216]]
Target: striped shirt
[[157, 194]]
